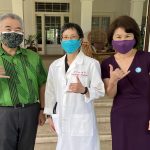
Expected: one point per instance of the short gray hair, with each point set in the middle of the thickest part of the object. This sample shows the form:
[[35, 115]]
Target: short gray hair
[[12, 16]]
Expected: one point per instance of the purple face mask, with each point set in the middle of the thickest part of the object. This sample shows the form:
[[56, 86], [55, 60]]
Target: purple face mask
[[123, 46]]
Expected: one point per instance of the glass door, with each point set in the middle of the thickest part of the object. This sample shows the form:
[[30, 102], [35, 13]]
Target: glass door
[[52, 30]]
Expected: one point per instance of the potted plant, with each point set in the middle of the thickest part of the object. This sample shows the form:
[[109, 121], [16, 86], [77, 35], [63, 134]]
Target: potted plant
[[31, 42]]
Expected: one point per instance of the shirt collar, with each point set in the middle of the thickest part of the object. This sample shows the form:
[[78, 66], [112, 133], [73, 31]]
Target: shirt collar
[[78, 60], [19, 51]]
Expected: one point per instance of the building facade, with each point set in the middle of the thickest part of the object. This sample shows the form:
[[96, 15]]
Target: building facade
[[44, 18]]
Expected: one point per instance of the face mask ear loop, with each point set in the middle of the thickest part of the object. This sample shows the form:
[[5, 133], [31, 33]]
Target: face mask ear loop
[[81, 41], [1, 34]]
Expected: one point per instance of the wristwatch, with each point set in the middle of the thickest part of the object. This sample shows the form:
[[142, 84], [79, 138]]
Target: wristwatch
[[86, 90]]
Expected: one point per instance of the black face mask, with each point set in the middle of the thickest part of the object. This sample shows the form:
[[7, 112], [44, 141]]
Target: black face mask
[[12, 39]]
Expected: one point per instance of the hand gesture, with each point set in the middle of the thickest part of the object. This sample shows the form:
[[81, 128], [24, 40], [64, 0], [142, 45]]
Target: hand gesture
[[117, 74], [51, 125], [76, 87], [2, 73]]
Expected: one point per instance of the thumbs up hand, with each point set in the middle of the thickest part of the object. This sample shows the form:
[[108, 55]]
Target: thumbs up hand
[[76, 87]]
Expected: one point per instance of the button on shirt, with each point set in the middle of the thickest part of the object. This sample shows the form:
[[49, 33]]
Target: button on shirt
[[27, 75]]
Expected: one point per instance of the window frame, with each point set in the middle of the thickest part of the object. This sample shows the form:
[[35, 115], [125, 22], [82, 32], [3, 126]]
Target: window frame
[[42, 47]]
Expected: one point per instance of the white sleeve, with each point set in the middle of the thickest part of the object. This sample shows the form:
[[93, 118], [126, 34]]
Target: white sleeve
[[96, 88], [50, 99]]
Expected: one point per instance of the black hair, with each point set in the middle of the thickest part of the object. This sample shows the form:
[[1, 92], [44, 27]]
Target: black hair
[[72, 26], [127, 23]]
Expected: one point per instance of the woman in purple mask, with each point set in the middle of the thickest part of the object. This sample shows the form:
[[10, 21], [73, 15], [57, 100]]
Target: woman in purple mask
[[126, 76]]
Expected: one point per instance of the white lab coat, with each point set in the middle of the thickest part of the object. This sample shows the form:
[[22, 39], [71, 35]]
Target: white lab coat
[[75, 120]]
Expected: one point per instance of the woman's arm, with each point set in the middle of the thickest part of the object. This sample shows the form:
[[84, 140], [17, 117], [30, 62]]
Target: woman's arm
[[111, 87], [111, 83]]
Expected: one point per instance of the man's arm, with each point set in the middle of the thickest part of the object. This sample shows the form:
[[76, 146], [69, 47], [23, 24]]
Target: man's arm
[[42, 97], [42, 117]]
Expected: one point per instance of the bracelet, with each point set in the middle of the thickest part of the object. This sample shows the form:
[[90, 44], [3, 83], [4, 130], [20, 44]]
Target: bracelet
[[86, 90], [41, 108]]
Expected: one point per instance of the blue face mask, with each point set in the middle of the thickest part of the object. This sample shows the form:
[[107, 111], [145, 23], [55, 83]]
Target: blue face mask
[[70, 46]]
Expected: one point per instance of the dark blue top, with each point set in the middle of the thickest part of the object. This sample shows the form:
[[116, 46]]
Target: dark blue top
[[135, 87]]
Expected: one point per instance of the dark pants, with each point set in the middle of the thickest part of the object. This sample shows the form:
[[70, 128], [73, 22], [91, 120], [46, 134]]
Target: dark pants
[[18, 127]]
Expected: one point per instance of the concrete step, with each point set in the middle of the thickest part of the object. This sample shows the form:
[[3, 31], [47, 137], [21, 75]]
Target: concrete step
[[103, 108], [105, 98], [49, 143], [103, 123]]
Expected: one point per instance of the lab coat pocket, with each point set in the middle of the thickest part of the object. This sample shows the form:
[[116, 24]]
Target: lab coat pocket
[[81, 125], [55, 118]]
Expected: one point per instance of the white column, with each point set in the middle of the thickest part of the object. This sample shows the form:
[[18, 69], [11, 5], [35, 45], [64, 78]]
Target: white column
[[86, 15], [136, 10], [17, 7]]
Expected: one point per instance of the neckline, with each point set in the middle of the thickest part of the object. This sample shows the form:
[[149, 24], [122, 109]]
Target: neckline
[[129, 68]]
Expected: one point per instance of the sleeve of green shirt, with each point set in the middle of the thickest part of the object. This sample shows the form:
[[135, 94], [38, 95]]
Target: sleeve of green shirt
[[41, 73]]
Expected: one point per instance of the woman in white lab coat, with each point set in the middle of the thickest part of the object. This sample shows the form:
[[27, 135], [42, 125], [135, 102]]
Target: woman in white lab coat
[[74, 82]]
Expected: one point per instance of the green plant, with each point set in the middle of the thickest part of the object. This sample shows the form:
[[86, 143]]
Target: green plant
[[30, 41]]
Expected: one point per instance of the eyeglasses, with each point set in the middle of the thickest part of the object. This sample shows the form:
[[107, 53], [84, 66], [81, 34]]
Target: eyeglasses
[[70, 37]]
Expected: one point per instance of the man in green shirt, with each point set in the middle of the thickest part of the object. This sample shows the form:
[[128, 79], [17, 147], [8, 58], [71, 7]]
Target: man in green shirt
[[22, 87]]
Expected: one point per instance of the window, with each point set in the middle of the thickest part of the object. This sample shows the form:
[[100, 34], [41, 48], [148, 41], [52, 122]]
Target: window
[[39, 29], [100, 22], [52, 29], [98, 36], [51, 7], [100, 25], [49, 21]]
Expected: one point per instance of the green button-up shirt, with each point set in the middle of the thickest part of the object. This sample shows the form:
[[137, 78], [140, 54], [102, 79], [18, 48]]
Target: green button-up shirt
[[27, 75]]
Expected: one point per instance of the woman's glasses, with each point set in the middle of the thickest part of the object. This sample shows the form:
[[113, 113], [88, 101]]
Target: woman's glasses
[[72, 37]]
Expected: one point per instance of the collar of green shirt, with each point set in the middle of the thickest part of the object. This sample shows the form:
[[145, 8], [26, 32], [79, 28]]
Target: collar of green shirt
[[19, 51]]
